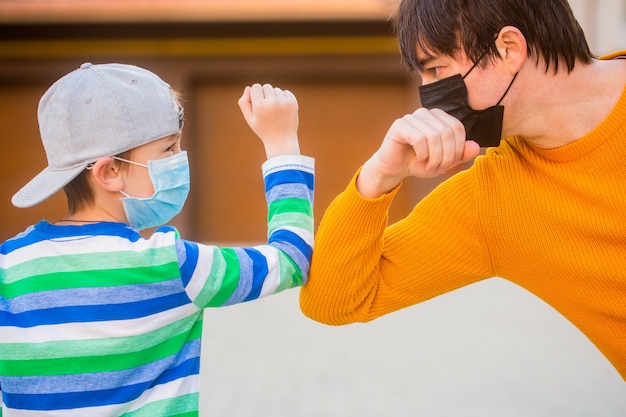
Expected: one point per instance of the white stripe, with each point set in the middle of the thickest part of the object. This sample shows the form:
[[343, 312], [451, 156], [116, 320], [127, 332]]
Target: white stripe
[[284, 162], [86, 245], [172, 389], [202, 271], [96, 330]]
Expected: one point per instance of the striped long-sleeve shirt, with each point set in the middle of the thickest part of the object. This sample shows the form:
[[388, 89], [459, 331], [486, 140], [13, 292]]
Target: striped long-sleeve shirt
[[96, 320]]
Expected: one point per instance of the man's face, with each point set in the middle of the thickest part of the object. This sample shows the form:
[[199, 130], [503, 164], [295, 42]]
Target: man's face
[[485, 82]]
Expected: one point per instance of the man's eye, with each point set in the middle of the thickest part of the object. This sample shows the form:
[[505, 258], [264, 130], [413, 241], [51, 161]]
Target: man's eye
[[434, 71]]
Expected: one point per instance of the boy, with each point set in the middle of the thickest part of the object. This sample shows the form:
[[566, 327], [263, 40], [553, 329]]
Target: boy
[[96, 320]]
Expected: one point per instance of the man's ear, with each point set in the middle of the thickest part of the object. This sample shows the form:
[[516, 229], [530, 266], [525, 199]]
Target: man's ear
[[105, 174], [513, 48]]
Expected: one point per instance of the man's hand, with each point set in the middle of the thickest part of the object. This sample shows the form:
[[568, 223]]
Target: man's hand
[[423, 144]]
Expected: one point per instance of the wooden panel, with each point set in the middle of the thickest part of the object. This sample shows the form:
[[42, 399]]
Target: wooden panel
[[258, 46], [341, 125], [22, 158]]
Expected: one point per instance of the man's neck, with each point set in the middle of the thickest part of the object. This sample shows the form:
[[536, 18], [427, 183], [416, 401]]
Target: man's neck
[[554, 110]]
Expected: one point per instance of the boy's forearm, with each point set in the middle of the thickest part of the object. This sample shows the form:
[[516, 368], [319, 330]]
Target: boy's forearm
[[289, 184]]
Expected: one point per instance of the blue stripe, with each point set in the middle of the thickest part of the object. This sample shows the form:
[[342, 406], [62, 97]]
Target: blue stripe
[[290, 190], [165, 229], [260, 271], [89, 296], [244, 284], [21, 240], [89, 230], [105, 397], [289, 176], [189, 262], [296, 256], [281, 236], [43, 230], [83, 314]]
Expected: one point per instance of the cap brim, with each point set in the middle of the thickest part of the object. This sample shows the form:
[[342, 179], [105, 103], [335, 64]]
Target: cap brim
[[44, 185]]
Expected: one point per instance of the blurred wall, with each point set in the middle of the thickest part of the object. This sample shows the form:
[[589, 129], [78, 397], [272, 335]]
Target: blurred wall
[[604, 22], [346, 74], [339, 57]]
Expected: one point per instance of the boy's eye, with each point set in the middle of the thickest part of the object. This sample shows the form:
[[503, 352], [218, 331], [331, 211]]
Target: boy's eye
[[173, 146]]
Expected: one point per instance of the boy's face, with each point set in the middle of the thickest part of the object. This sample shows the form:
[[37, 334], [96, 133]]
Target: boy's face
[[136, 178]]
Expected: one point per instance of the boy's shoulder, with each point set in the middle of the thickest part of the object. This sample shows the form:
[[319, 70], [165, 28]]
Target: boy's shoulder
[[16, 241], [105, 235]]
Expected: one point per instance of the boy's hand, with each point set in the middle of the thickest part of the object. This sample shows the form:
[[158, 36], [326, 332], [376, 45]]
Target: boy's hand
[[423, 144], [272, 114]]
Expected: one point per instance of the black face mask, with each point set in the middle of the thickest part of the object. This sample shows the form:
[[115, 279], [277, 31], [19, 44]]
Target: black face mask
[[450, 95]]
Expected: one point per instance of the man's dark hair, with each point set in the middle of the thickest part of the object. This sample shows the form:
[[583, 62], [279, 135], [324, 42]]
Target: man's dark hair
[[447, 26]]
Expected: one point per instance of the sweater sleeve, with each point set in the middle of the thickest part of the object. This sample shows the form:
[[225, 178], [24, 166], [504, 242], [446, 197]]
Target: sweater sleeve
[[362, 268], [215, 276]]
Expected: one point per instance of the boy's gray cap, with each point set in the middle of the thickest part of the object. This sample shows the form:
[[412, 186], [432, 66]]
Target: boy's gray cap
[[93, 112]]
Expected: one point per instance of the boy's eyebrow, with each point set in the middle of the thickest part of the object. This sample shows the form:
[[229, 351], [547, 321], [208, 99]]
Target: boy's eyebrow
[[171, 139]]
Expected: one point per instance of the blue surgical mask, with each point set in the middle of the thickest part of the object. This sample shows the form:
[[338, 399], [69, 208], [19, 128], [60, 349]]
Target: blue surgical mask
[[170, 178]]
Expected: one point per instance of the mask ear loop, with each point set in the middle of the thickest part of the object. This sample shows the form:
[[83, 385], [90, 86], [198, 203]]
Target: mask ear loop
[[480, 58], [507, 89], [129, 161], [510, 84]]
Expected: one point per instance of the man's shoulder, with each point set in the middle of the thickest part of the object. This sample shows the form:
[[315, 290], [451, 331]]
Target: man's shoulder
[[614, 55]]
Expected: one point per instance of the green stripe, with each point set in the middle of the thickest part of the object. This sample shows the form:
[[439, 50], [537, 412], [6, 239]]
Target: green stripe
[[290, 220], [92, 360], [183, 406], [96, 278], [89, 261], [230, 278], [214, 281], [290, 274], [290, 205]]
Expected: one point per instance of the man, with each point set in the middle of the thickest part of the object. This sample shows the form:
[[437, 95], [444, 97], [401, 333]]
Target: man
[[545, 207]]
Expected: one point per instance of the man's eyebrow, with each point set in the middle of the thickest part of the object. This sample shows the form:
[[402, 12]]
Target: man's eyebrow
[[422, 62], [425, 60]]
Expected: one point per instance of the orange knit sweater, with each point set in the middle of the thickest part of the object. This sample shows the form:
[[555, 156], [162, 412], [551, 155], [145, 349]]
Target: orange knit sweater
[[552, 221]]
